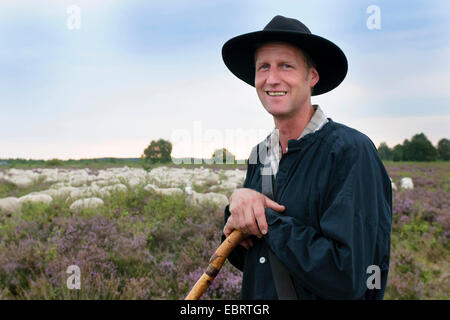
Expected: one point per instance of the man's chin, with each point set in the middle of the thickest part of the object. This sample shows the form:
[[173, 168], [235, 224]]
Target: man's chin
[[278, 112]]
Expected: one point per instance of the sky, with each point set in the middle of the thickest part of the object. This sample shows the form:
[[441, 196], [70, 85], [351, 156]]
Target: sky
[[89, 79]]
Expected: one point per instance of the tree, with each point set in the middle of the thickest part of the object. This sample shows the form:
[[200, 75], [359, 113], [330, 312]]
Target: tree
[[158, 151], [397, 153], [444, 149], [223, 156], [419, 149], [384, 151], [406, 155]]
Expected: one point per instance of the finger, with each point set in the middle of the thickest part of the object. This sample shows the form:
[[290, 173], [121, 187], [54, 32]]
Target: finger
[[227, 229], [230, 225], [273, 205], [244, 243], [260, 216], [242, 221], [247, 243], [238, 219], [251, 223]]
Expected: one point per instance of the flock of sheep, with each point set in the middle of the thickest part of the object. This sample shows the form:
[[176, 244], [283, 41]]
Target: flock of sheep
[[84, 188]]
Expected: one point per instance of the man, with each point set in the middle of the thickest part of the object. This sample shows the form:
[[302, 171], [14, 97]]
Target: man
[[328, 224]]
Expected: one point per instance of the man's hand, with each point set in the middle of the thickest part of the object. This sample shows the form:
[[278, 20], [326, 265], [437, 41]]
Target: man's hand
[[248, 215]]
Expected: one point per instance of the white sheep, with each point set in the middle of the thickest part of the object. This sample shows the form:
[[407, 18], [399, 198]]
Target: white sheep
[[173, 177], [188, 189], [64, 192], [49, 175], [10, 205], [237, 176], [85, 191], [119, 187], [87, 203], [35, 198], [134, 181], [51, 192], [199, 199], [22, 178], [163, 191], [78, 180], [21, 181], [406, 183], [394, 187], [107, 190], [225, 186], [210, 178]]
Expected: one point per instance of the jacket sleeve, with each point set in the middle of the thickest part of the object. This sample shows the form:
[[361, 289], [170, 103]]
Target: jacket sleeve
[[237, 256], [332, 261]]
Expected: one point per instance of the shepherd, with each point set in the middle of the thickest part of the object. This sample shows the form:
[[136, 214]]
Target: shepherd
[[315, 209]]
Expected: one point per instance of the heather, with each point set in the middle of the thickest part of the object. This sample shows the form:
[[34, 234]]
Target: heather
[[420, 264], [142, 244], [139, 245]]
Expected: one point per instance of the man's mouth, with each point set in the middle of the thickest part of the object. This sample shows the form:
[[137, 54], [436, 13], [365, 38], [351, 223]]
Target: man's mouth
[[276, 93]]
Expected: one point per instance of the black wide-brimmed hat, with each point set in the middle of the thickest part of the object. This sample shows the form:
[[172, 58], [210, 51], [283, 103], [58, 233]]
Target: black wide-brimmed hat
[[331, 63]]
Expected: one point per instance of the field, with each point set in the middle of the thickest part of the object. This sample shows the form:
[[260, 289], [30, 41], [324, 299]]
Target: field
[[151, 238]]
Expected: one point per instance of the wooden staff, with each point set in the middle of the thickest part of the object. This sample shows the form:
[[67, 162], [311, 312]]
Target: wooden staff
[[215, 264]]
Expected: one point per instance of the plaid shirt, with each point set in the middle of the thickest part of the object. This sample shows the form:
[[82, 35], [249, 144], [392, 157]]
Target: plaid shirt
[[317, 121]]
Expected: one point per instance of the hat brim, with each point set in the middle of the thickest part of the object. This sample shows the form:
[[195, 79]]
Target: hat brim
[[331, 63]]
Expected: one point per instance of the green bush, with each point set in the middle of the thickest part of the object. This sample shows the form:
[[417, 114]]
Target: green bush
[[444, 149], [385, 152], [54, 163], [158, 151]]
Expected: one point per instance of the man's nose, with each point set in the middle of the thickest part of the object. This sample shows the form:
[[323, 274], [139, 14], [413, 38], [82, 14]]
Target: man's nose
[[273, 77]]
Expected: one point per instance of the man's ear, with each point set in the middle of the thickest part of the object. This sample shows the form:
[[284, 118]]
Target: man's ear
[[313, 76]]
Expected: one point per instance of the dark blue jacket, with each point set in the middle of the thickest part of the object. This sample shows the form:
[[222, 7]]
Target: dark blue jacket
[[337, 221]]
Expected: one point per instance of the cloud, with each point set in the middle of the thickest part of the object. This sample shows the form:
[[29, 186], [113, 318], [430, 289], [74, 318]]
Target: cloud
[[138, 71]]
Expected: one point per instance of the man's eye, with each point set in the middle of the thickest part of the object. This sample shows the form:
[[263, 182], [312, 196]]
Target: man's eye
[[287, 66], [264, 66]]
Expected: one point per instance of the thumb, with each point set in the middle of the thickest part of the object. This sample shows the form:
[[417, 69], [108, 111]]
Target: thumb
[[273, 205]]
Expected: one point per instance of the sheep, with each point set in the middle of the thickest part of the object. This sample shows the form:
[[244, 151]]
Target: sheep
[[21, 178], [10, 205], [80, 193], [50, 175], [75, 184], [64, 192], [78, 180], [210, 178], [394, 187], [237, 176], [227, 186], [134, 181], [51, 192], [101, 182], [188, 189], [21, 181], [36, 197], [406, 183], [87, 203], [198, 199], [106, 191], [163, 191], [173, 177]]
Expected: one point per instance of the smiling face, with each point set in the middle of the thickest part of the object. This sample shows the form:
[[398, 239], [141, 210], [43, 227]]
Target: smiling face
[[283, 81]]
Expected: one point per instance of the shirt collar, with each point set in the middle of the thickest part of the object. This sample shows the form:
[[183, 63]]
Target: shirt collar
[[317, 121]]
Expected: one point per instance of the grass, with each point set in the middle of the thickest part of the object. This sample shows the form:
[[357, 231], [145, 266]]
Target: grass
[[142, 245]]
